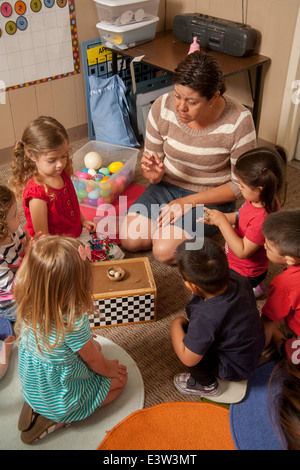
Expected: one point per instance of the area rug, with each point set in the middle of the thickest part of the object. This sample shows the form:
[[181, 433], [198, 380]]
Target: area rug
[[250, 421], [173, 426], [83, 435]]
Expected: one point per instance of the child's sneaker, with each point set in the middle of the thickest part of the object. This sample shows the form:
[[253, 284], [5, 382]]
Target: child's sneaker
[[186, 384], [260, 290]]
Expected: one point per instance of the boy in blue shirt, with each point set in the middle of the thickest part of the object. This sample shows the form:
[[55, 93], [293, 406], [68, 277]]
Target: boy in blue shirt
[[223, 335]]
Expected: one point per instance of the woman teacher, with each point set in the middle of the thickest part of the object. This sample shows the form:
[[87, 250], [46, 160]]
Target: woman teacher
[[194, 136]]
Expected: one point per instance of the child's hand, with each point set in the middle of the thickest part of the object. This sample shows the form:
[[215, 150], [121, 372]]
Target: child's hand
[[212, 217], [28, 241], [37, 236], [118, 371], [89, 225]]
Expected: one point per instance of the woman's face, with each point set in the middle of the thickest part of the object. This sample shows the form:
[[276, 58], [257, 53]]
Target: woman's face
[[189, 105]]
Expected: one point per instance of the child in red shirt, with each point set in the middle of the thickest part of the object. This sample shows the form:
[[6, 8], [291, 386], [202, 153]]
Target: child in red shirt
[[281, 311], [261, 176], [42, 165]]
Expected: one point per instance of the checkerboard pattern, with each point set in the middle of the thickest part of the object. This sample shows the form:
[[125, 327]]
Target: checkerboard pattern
[[123, 310]]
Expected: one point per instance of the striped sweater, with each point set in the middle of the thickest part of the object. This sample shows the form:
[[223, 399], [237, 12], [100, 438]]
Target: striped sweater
[[199, 160]]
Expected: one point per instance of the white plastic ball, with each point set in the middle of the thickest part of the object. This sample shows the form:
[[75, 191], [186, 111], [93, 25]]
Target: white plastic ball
[[92, 172], [93, 160]]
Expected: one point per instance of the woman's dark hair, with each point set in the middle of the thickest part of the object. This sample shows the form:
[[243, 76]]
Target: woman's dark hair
[[265, 167], [200, 72], [206, 267]]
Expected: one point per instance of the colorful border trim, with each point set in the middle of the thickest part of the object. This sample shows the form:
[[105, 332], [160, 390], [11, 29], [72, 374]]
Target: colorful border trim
[[75, 49]]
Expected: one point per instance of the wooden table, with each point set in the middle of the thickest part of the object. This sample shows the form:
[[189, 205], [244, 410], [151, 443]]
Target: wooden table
[[165, 52]]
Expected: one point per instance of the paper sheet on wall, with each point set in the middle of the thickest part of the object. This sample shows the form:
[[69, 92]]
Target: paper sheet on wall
[[38, 42]]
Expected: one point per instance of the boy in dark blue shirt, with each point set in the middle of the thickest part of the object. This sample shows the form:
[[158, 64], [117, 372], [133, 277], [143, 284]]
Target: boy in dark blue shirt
[[223, 335]]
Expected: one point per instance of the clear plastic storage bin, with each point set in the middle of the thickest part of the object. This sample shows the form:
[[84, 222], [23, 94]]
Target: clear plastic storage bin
[[123, 37], [124, 12], [92, 192]]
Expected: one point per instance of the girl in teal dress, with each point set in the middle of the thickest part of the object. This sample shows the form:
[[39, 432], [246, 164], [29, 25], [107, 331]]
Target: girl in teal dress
[[64, 375]]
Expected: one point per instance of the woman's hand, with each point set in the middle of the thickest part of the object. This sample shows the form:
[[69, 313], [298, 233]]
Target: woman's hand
[[173, 211], [152, 167]]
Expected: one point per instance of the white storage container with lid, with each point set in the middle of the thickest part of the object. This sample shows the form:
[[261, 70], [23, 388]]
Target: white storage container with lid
[[123, 37], [122, 12]]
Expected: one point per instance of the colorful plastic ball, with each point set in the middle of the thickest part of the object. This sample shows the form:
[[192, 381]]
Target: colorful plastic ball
[[83, 175], [105, 178], [106, 191], [92, 172], [82, 193], [98, 177], [92, 202], [93, 160], [128, 173], [101, 201], [94, 194], [105, 171], [81, 185], [115, 166], [122, 179]]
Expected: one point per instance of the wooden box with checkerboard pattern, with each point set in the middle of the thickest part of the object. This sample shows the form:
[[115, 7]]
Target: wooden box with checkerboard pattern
[[130, 300]]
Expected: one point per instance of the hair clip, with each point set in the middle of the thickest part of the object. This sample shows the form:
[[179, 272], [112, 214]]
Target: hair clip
[[21, 142], [84, 252]]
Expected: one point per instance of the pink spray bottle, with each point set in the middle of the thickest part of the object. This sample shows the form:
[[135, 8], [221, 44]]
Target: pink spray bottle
[[195, 46]]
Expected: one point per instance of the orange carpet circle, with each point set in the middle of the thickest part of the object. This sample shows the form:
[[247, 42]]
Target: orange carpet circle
[[173, 426]]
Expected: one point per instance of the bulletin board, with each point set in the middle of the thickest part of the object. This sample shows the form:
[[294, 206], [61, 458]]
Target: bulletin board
[[38, 42]]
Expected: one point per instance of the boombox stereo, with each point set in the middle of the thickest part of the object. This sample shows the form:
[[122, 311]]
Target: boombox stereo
[[225, 36]]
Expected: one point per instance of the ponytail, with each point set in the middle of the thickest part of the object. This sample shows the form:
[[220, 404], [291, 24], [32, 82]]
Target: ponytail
[[22, 168]]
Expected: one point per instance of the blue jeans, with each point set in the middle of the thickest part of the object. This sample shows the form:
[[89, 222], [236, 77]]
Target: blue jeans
[[8, 310]]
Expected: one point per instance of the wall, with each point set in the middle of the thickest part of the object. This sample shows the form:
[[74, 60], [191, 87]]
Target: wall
[[65, 98], [276, 21]]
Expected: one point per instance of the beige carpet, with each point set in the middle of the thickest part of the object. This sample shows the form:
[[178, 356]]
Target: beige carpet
[[149, 343]]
